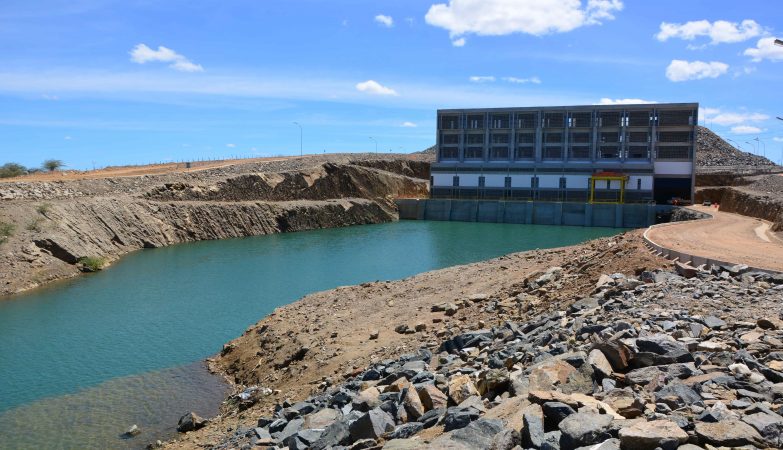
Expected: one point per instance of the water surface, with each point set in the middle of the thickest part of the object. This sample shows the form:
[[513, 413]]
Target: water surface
[[163, 308]]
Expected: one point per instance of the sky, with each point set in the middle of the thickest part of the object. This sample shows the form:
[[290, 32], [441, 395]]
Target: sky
[[97, 83]]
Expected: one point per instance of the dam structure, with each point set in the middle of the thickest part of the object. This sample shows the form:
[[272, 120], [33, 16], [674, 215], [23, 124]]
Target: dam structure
[[589, 165]]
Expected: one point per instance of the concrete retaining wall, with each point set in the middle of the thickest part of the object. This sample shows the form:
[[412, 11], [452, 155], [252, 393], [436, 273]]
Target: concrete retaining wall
[[538, 213]]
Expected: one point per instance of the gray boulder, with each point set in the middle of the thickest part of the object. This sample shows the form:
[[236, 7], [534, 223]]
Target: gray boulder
[[584, 428], [371, 425]]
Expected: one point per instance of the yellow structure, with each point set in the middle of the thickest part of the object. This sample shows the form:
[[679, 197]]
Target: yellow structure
[[608, 176]]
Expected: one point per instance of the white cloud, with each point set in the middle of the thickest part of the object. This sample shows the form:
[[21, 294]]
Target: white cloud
[[765, 49], [681, 70], [231, 145], [623, 101], [534, 80], [373, 87], [384, 20], [777, 139], [408, 125], [719, 117], [745, 129], [720, 31], [482, 79], [458, 42], [141, 54], [502, 17]]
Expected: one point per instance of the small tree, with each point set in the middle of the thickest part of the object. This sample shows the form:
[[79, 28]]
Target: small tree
[[8, 170], [53, 164]]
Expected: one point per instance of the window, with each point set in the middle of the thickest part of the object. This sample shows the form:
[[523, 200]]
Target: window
[[676, 152], [476, 121], [449, 152], [474, 139], [524, 153], [552, 152], [563, 182], [638, 184], [553, 138], [500, 121], [554, 120], [526, 138], [507, 182], [675, 118], [526, 120], [449, 139], [499, 153], [474, 153], [455, 181], [534, 183], [482, 181], [499, 138], [638, 136], [674, 136], [608, 184], [609, 137], [580, 138], [609, 119], [639, 119], [581, 120], [449, 122]]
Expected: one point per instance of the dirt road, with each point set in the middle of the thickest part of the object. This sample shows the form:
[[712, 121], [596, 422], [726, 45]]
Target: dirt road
[[727, 237]]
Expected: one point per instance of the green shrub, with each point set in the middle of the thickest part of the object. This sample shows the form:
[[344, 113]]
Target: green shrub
[[91, 263], [6, 231], [43, 208], [9, 170], [34, 225]]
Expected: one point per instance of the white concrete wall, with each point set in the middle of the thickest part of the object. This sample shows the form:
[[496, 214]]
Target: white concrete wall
[[647, 182], [495, 180], [673, 167], [442, 179]]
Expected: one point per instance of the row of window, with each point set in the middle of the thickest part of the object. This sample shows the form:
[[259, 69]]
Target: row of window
[[574, 152], [570, 120], [534, 182], [577, 137]]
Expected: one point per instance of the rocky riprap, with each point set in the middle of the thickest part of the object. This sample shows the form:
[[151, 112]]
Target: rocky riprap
[[713, 151], [659, 360]]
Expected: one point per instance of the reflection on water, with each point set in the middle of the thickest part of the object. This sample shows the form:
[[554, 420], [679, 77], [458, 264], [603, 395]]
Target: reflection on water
[[97, 417]]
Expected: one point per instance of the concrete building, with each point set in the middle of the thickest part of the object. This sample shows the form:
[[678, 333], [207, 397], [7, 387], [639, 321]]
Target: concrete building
[[593, 153]]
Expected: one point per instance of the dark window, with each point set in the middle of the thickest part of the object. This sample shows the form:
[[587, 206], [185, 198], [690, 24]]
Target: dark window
[[526, 138], [563, 182], [674, 136], [500, 121], [476, 121], [455, 181], [553, 138], [608, 184], [449, 152], [449, 122], [499, 138], [674, 118], [581, 120], [639, 184], [524, 153], [638, 136], [475, 139], [637, 152], [534, 183], [675, 152], [449, 139], [527, 120], [508, 182], [553, 152], [610, 118], [639, 119], [580, 138], [474, 152], [609, 152], [499, 153], [609, 137], [554, 120], [482, 181]]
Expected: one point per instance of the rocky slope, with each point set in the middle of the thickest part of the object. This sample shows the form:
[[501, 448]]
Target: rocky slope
[[49, 227], [645, 360], [714, 152]]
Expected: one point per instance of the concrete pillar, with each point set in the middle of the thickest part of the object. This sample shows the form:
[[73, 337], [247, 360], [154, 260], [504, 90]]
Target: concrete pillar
[[618, 216], [588, 215], [539, 137]]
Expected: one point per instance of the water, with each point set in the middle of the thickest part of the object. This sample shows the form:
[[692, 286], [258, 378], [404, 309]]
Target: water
[[73, 345]]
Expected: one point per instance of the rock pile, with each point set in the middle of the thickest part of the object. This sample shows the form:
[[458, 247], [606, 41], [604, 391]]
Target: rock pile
[[659, 360], [713, 151]]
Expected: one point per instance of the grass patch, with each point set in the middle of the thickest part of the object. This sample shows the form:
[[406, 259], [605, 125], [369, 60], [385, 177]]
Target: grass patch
[[6, 231], [43, 208], [35, 224], [91, 263]]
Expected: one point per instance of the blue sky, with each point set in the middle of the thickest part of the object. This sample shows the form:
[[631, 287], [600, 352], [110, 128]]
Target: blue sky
[[130, 82]]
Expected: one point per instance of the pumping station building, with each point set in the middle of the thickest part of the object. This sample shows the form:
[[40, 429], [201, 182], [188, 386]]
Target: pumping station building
[[592, 165], [640, 153]]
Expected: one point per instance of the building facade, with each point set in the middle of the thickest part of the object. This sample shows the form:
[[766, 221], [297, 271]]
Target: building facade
[[600, 153]]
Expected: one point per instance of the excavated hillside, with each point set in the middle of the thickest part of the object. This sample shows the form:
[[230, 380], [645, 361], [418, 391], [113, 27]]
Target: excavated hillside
[[56, 230], [715, 153]]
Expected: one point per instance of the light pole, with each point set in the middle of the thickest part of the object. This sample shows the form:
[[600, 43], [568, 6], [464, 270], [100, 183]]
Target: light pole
[[764, 146], [300, 139], [376, 144], [754, 151]]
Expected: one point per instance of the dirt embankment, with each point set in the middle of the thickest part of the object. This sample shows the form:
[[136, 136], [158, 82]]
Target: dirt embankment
[[51, 226], [759, 196]]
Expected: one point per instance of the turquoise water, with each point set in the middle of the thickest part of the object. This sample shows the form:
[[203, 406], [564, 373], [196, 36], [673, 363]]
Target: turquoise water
[[167, 307]]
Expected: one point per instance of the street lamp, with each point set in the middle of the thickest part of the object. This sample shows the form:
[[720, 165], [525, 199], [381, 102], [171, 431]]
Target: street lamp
[[376, 144], [754, 151], [763, 144], [300, 138]]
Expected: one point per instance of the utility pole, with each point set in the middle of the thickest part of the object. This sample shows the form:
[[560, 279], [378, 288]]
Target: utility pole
[[763, 144], [755, 150], [300, 138], [376, 144]]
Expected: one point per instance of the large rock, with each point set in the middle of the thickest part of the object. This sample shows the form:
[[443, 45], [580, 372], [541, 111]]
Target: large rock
[[677, 395], [618, 354], [545, 376], [533, 428], [432, 397], [625, 402], [730, 433], [650, 435], [769, 425], [322, 419], [190, 422], [584, 428], [460, 388], [478, 435], [599, 363], [554, 413], [367, 399], [371, 425]]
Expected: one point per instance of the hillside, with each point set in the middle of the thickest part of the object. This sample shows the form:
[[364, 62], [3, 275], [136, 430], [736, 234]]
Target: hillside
[[714, 151]]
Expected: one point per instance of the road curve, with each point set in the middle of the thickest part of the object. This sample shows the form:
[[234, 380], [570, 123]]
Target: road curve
[[726, 237]]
